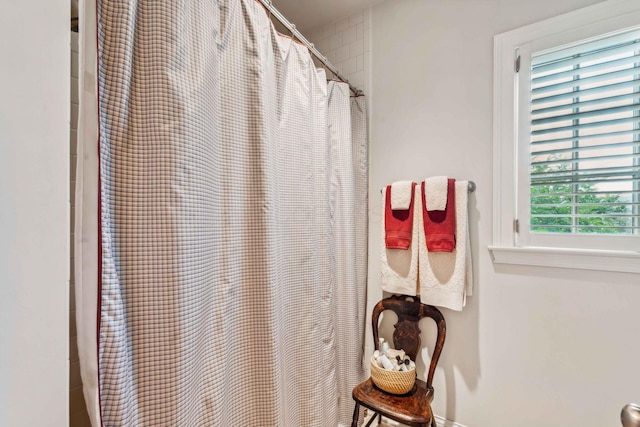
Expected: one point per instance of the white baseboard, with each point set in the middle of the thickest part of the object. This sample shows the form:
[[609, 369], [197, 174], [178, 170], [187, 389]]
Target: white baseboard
[[443, 422]]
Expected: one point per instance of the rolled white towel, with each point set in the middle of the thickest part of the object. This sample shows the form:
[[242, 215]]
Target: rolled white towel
[[435, 193]]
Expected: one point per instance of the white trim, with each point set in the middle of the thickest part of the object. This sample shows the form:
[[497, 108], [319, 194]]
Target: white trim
[[504, 154], [606, 17], [443, 422], [583, 259], [440, 421], [585, 17]]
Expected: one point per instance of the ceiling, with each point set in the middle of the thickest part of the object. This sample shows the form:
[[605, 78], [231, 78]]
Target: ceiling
[[305, 14], [311, 14]]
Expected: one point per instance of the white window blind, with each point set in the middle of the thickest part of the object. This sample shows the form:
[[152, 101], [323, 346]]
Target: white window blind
[[585, 138]]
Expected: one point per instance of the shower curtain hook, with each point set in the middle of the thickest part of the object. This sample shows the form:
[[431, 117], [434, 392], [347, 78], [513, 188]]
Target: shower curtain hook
[[270, 4]]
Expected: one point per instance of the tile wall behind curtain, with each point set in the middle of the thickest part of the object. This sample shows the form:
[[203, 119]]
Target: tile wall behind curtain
[[346, 44]]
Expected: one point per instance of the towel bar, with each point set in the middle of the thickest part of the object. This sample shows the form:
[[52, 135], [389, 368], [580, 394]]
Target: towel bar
[[471, 188]]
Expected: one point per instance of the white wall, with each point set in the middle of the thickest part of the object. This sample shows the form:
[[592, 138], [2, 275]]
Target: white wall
[[34, 212], [534, 346]]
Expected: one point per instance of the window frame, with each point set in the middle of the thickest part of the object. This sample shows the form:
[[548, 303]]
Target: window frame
[[511, 164]]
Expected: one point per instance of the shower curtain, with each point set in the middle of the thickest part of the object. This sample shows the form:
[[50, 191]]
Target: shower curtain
[[221, 221]]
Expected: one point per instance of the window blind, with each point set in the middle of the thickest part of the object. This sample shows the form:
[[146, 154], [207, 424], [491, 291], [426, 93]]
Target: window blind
[[585, 138]]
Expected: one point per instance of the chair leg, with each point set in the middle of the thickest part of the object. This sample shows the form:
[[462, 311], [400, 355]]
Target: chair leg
[[373, 419], [356, 414]]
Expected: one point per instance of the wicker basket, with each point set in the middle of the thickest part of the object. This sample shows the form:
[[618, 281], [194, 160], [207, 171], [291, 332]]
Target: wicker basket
[[394, 382]]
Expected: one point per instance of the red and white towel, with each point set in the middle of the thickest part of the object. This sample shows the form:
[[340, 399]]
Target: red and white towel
[[398, 215], [446, 278], [399, 245], [438, 246], [440, 224]]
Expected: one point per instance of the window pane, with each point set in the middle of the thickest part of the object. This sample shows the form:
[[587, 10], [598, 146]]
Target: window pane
[[585, 139]]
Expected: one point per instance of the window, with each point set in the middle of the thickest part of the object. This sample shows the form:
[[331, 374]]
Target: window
[[584, 147], [567, 133]]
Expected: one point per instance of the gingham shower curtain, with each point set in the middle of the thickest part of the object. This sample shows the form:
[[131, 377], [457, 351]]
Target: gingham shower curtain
[[221, 221]]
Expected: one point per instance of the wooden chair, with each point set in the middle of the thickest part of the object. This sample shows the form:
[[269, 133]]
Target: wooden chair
[[413, 408]]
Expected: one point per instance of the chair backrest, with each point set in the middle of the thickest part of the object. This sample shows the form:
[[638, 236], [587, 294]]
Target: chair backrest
[[406, 336]]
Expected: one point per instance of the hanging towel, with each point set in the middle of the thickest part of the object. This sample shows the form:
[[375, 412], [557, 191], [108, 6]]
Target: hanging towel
[[399, 267], [446, 278], [436, 190], [440, 226], [398, 224], [401, 195]]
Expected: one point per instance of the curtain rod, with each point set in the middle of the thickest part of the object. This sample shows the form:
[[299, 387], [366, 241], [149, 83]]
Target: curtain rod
[[315, 52]]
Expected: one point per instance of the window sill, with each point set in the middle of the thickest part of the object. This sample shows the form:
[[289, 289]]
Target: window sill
[[621, 261]]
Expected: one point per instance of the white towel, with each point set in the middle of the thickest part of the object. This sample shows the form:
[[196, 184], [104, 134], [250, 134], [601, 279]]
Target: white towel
[[399, 268], [446, 278], [435, 193], [401, 195]]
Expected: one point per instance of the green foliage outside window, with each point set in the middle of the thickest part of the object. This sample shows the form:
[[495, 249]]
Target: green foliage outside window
[[601, 209]]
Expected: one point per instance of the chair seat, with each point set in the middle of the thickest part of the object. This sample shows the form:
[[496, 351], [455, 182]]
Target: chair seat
[[413, 408]]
